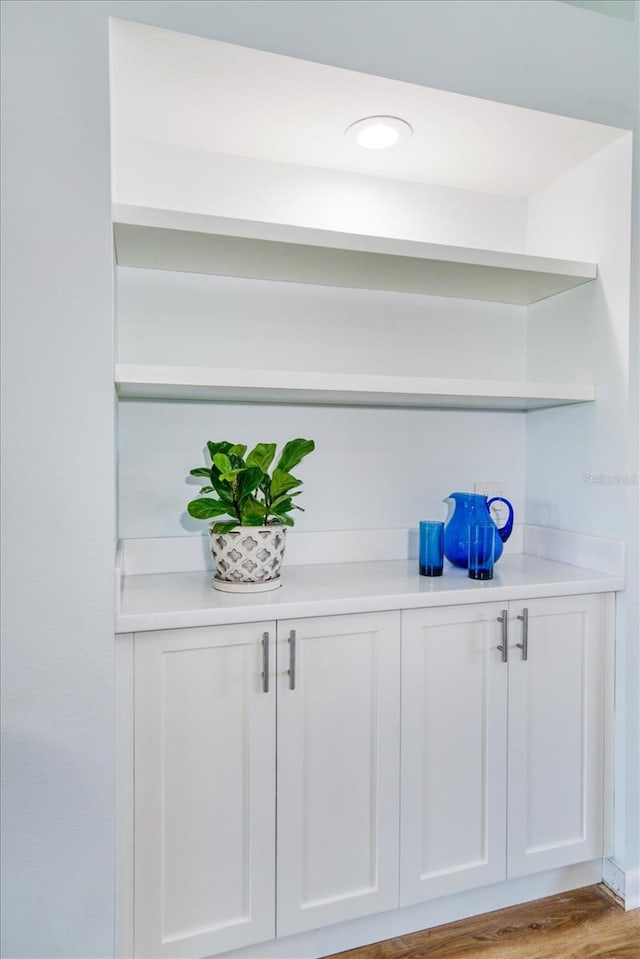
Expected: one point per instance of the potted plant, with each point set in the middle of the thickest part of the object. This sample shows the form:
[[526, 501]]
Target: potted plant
[[257, 501]]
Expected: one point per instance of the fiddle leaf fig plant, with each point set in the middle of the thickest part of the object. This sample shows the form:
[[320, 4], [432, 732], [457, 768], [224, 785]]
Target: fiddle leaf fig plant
[[247, 492]]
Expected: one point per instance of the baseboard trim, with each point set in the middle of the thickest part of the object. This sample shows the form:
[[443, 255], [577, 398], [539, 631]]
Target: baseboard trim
[[625, 885], [632, 889], [613, 877]]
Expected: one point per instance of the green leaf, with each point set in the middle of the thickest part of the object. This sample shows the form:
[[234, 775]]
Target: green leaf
[[206, 508], [248, 481], [222, 447], [283, 505], [222, 462], [283, 518], [286, 497], [252, 513], [223, 490], [225, 527], [231, 476], [244, 488], [293, 452], [262, 456], [281, 482]]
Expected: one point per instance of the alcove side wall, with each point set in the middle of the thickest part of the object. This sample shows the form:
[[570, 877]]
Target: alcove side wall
[[580, 471]]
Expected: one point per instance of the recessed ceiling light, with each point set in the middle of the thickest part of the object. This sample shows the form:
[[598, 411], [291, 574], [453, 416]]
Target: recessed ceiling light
[[378, 133]]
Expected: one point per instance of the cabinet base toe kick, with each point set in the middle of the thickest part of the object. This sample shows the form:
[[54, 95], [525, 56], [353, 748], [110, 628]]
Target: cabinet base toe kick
[[344, 936]]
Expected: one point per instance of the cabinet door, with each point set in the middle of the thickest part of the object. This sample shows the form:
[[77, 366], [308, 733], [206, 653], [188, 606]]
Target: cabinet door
[[453, 792], [556, 734], [204, 791], [338, 769]]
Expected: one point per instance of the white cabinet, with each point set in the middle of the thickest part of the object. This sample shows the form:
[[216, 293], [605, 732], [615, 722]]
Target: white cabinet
[[204, 791], [205, 780], [338, 768], [556, 733], [454, 742], [475, 810], [430, 756]]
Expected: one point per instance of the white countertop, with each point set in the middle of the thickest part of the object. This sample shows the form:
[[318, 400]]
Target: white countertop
[[176, 600]]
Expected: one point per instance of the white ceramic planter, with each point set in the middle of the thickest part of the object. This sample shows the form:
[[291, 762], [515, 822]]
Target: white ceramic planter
[[248, 559]]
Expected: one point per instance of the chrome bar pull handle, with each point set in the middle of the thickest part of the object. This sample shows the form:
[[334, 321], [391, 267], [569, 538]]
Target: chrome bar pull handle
[[265, 662], [504, 648], [524, 645], [292, 659]]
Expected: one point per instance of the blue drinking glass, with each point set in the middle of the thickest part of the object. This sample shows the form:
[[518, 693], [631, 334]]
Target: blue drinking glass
[[431, 547], [481, 551]]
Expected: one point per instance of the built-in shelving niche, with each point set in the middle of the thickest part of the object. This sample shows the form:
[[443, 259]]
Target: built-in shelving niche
[[192, 243]]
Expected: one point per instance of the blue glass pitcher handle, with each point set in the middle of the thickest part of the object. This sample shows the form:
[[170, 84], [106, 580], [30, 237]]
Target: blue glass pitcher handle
[[505, 532]]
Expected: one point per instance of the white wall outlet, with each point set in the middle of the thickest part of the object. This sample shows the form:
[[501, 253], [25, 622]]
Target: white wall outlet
[[490, 488]]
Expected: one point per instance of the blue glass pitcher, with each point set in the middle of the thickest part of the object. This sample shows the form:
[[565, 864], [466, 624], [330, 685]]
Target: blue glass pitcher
[[469, 509]]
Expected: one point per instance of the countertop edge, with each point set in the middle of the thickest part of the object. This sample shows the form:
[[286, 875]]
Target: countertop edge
[[263, 608]]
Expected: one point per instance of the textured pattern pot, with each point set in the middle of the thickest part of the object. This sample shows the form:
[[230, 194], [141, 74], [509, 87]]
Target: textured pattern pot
[[247, 559]]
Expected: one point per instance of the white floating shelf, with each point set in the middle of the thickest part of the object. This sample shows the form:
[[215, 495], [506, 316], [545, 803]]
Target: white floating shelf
[[341, 389], [197, 243]]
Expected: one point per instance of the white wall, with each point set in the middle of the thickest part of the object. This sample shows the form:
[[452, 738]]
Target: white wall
[[580, 470], [417, 457], [630, 672], [372, 468], [587, 211], [196, 181], [58, 676], [57, 486], [199, 320]]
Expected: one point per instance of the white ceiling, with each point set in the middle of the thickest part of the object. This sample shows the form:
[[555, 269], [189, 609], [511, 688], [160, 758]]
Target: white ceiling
[[200, 94]]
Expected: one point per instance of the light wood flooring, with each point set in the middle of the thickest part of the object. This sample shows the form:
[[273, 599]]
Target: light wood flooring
[[584, 924]]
